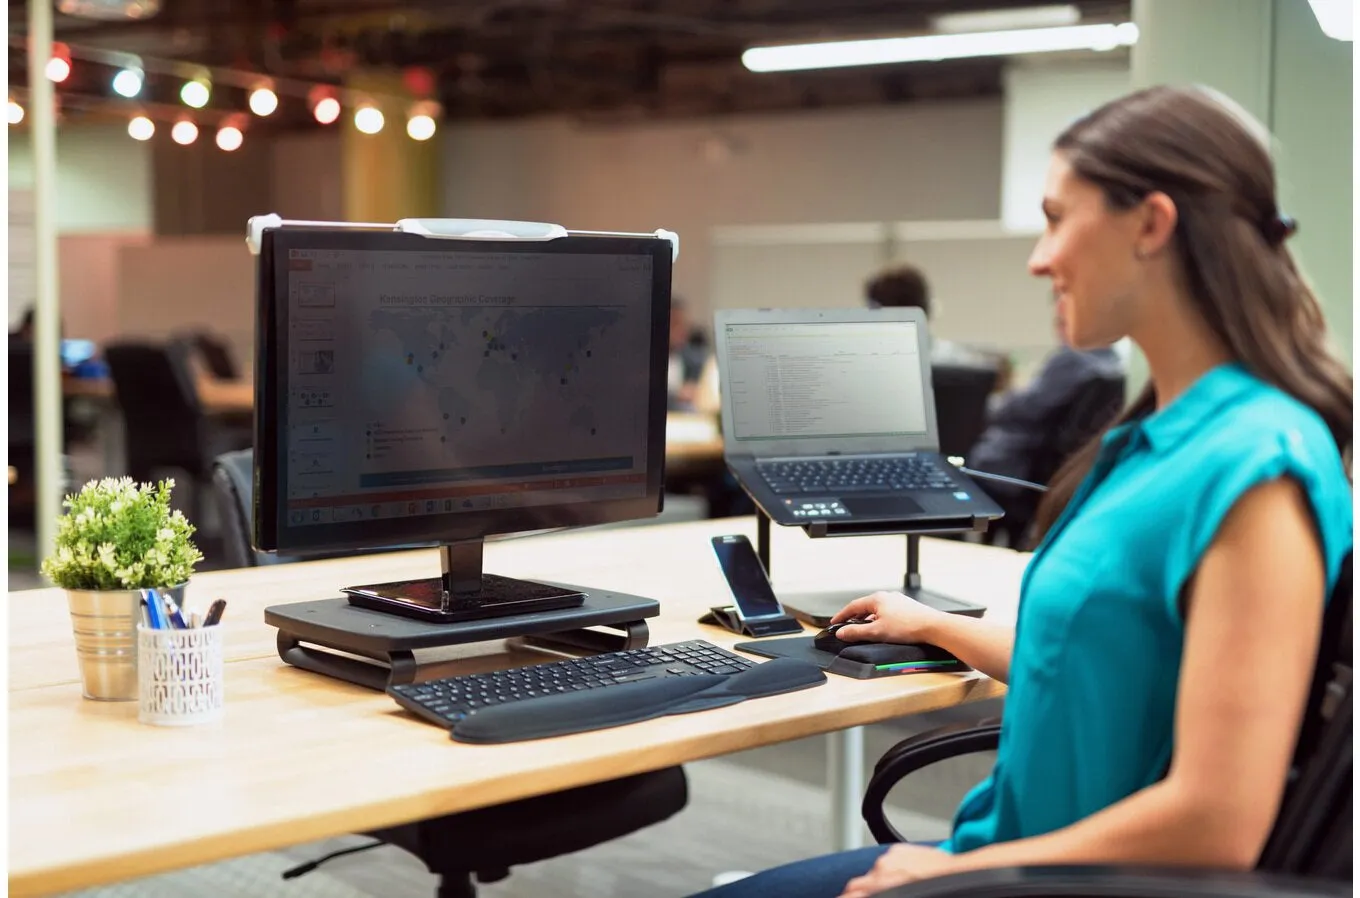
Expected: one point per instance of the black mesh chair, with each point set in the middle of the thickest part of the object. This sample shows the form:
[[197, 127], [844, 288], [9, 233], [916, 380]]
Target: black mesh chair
[[216, 356], [1309, 851], [22, 450], [484, 844], [164, 424], [1071, 426], [961, 393]]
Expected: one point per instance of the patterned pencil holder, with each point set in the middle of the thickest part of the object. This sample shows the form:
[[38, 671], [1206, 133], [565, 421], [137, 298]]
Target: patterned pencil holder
[[179, 675]]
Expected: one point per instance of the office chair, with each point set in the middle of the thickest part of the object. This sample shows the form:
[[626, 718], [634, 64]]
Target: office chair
[[22, 430], [1308, 853], [216, 356], [487, 842], [961, 393], [1069, 428]]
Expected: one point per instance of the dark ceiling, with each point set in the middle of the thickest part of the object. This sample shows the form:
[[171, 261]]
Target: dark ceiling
[[595, 59]]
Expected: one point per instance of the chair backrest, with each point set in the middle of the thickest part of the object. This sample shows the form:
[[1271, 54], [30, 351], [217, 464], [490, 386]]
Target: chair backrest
[[961, 393], [216, 356], [1097, 403], [20, 392], [153, 383], [1312, 832], [231, 480]]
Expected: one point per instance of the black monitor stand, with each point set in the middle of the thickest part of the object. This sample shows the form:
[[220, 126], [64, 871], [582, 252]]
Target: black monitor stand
[[818, 612], [462, 592]]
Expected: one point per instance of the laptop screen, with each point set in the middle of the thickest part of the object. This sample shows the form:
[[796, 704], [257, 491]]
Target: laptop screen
[[820, 380]]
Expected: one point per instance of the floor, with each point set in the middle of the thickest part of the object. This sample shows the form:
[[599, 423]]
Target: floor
[[747, 811]]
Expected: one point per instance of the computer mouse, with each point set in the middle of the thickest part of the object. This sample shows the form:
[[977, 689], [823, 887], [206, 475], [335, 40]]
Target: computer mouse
[[827, 641]]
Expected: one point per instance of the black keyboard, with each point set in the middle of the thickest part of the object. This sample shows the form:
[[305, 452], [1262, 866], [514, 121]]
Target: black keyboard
[[854, 475], [451, 699]]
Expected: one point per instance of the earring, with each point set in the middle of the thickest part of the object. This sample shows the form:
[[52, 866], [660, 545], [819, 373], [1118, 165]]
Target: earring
[[1140, 254]]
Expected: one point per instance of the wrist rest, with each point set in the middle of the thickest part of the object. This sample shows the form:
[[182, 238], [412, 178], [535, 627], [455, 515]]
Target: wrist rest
[[596, 709]]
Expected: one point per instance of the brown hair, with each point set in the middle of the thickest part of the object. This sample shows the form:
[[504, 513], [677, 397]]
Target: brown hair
[[1229, 239], [899, 287]]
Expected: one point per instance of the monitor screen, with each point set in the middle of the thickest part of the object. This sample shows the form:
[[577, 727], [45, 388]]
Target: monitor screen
[[414, 389], [825, 380]]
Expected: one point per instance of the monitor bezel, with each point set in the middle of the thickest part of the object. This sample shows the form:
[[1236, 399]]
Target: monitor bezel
[[271, 533]]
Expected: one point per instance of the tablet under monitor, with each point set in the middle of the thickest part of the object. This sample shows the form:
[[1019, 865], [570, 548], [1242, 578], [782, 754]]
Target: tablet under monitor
[[419, 390]]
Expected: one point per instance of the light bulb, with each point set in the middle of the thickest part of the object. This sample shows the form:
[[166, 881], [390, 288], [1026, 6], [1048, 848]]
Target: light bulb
[[368, 119], [184, 133], [263, 101], [194, 93], [127, 83], [229, 138], [142, 128], [327, 110], [58, 69], [16, 112], [420, 127]]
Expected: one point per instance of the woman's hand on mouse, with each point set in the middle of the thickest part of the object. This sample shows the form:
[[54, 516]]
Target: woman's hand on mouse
[[892, 617]]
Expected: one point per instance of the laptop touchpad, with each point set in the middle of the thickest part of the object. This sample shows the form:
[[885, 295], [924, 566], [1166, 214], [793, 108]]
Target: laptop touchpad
[[881, 506]]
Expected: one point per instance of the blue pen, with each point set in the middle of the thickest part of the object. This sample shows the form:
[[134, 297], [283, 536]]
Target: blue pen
[[176, 619], [154, 609]]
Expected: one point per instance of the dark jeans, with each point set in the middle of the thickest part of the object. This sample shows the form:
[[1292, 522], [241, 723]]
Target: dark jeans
[[818, 877]]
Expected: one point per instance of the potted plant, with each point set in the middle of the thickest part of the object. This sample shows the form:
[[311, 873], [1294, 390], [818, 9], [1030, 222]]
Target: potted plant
[[116, 539]]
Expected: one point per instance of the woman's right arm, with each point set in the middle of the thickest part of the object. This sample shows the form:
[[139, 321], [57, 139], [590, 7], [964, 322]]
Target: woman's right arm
[[981, 645]]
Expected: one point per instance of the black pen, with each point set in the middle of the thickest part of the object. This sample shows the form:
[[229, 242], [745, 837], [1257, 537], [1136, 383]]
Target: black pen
[[215, 612]]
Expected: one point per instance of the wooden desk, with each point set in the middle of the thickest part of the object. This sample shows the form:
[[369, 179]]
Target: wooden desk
[[96, 797]]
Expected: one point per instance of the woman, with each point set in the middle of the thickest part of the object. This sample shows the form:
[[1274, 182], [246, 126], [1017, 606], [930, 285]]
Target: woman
[[1200, 536]]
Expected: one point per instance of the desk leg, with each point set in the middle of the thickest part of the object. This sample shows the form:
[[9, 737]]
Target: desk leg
[[845, 775]]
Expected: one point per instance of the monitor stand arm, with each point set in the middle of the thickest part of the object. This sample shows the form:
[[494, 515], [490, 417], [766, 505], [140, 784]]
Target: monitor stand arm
[[460, 566]]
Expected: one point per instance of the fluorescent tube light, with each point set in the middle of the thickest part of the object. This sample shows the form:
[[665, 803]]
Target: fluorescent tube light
[[932, 47], [1335, 17], [1003, 19]]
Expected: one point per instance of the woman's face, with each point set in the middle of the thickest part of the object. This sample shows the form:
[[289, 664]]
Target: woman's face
[[1089, 252]]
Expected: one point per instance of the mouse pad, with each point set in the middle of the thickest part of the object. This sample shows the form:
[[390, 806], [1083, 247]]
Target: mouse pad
[[861, 662]]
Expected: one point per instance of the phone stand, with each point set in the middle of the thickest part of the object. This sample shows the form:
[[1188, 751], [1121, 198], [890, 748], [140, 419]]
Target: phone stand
[[725, 616]]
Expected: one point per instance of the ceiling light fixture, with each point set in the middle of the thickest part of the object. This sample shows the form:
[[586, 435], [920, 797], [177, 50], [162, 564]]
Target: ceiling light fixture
[[1004, 19], [932, 47], [229, 138], [15, 112], [58, 68], [1336, 18]]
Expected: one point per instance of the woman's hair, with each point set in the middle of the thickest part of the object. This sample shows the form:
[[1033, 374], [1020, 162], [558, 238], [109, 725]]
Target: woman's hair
[[1214, 163]]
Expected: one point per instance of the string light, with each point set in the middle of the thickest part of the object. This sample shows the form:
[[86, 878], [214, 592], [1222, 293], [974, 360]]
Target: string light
[[58, 68], [15, 112], [368, 119], [195, 93], [229, 138], [141, 128], [184, 133], [420, 125], [263, 101], [128, 82], [326, 110]]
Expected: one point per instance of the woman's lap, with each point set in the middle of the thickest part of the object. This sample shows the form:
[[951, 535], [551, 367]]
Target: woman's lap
[[818, 877]]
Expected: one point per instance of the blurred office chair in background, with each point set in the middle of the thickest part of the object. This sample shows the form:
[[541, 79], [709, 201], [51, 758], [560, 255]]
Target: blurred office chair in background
[[961, 393]]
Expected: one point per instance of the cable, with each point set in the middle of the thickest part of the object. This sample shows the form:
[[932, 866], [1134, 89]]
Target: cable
[[1001, 478], [312, 865]]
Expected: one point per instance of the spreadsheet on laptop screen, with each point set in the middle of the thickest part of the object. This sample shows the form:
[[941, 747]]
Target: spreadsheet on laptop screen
[[820, 380]]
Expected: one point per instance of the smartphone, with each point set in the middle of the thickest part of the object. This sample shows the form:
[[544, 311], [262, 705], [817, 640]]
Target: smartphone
[[752, 594]]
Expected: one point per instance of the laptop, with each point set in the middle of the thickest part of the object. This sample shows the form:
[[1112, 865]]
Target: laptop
[[828, 421]]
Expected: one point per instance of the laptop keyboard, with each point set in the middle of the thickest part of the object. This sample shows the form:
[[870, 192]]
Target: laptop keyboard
[[851, 475]]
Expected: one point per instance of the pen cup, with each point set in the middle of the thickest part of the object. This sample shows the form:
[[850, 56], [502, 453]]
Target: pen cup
[[179, 676]]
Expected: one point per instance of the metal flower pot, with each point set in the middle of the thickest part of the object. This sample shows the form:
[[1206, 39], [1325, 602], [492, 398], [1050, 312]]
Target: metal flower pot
[[104, 622]]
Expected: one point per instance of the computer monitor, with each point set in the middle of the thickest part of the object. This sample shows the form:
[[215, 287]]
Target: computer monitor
[[413, 389]]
